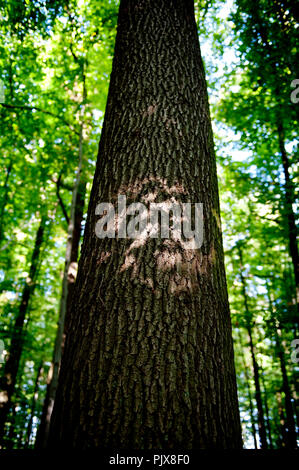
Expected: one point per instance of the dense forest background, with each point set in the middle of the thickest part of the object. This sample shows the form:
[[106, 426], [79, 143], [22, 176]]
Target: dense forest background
[[55, 62]]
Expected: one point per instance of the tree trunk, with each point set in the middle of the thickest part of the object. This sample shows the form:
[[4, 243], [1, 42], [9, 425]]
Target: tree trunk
[[11, 433], [291, 440], [256, 374], [8, 381], [73, 251], [289, 422], [281, 419], [268, 421], [245, 369], [288, 187], [5, 191], [33, 404], [291, 220], [148, 360], [258, 394], [72, 273]]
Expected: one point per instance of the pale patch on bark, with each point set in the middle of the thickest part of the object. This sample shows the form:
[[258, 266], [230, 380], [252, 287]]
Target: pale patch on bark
[[3, 397], [72, 272], [150, 110], [103, 257]]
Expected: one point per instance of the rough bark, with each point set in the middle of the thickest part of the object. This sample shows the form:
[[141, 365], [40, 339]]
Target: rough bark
[[148, 360], [8, 381]]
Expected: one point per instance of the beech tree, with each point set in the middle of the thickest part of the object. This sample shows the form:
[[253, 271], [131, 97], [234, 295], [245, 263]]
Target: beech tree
[[148, 360]]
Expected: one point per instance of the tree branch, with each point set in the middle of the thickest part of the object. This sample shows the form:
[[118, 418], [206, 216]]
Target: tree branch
[[36, 108]]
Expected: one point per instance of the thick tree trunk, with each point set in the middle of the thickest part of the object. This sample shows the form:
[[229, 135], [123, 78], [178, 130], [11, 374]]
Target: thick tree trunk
[[8, 381], [148, 360]]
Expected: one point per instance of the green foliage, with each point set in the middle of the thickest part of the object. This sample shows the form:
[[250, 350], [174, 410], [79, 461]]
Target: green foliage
[[45, 56], [252, 102]]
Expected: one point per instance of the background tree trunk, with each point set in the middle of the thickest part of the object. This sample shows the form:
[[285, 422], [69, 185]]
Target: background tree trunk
[[245, 369], [73, 251], [258, 394], [8, 381], [282, 420], [5, 190], [268, 420], [290, 215], [33, 404], [256, 374], [291, 440], [148, 360]]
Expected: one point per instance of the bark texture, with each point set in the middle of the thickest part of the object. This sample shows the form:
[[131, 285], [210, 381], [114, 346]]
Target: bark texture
[[8, 381], [148, 360]]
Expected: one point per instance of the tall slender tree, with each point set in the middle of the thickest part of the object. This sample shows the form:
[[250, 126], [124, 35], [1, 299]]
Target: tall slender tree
[[33, 404], [247, 383], [71, 259], [256, 371], [148, 360]]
